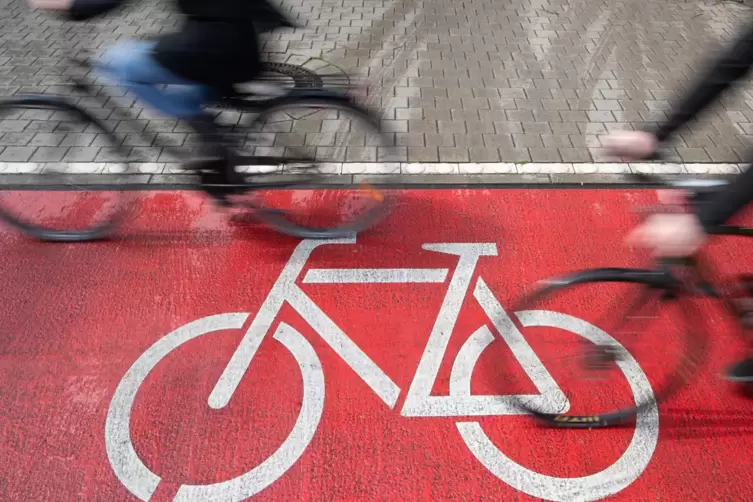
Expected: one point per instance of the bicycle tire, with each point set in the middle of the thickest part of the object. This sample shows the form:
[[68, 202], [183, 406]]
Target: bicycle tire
[[649, 282], [308, 177], [55, 181]]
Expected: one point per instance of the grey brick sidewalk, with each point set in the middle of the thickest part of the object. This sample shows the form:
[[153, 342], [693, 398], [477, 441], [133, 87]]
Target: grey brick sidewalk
[[478, 81]]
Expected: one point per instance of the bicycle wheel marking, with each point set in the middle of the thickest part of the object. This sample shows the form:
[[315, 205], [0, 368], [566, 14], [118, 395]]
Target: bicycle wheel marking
[[269, 471], [142, 482], [611, 480]]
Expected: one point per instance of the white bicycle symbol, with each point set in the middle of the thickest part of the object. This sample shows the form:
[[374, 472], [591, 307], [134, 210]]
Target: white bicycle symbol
[[142, 482]]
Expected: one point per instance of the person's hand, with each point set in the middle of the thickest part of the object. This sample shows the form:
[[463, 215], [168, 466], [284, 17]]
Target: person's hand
[[669, 235], [633, 145], [59, 5]]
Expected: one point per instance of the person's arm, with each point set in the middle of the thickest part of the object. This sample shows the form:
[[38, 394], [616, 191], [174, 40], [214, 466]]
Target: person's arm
[[77, 10], [734, 63]]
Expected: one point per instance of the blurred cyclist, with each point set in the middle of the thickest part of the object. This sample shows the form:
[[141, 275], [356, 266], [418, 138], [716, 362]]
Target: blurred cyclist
[[680, 235], [215, 47]]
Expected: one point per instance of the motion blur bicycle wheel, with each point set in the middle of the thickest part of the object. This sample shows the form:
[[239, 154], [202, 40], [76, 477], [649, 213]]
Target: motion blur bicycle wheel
[[301, 142], [618, 320], [65, 202]]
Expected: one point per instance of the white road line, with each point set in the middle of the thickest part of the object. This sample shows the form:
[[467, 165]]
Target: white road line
[[414, 168]]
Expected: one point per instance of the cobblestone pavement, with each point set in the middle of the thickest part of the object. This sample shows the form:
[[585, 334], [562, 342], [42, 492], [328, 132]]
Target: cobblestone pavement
[[479, 81]]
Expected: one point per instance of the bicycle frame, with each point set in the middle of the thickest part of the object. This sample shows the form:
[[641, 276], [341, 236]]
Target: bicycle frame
[[312, 89], [314, 98]]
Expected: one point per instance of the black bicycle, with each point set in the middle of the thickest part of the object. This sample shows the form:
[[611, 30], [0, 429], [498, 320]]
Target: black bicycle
[[276, 156], [588, 373]]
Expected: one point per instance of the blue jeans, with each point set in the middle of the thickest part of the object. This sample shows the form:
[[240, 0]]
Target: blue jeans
[[132, 64]]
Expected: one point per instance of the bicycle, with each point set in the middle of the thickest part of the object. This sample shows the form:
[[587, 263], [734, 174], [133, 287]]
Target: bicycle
[[669, 284], [98, 204]]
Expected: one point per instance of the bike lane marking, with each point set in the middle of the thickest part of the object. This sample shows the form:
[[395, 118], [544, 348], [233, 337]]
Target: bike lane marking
[[69, 308]]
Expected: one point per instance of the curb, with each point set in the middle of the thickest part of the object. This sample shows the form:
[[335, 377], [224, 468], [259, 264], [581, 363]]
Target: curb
[[440, 174]]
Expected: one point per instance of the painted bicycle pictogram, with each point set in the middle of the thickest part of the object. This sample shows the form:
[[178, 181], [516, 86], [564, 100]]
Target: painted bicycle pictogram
[[459, 403]]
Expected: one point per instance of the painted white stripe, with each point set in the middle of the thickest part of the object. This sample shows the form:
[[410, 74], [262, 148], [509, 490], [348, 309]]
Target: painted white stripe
[[375, 275]]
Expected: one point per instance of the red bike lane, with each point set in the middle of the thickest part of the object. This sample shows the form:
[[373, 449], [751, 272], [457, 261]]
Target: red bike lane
[[199, 359]]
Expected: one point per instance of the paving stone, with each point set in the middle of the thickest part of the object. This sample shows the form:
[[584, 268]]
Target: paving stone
[[49, 154], [17, 154], [423, 154], [81, 154]]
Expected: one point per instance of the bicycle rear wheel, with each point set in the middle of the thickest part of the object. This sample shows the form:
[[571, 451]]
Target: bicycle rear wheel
[[307, 140], [587, 369], [62, 203]]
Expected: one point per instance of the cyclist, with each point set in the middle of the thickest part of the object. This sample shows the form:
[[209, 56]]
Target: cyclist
[[215, 47], [679, 235]]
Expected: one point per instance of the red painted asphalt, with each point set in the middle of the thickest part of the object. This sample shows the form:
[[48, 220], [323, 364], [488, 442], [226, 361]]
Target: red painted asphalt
[[109, 353]]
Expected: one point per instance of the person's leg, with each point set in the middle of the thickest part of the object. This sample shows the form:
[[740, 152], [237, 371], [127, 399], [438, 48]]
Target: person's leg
[[132, 64]]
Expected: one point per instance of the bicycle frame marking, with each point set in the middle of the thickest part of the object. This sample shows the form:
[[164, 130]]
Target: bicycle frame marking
[[419, 402]]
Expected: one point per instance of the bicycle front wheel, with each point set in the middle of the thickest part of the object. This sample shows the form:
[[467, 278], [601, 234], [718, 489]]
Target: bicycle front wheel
[[610, 343], [302, 143], [66, 201]]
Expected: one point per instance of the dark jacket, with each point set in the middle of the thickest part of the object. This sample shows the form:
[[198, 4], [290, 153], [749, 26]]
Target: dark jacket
[[723, 70], [217, 43]]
